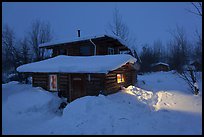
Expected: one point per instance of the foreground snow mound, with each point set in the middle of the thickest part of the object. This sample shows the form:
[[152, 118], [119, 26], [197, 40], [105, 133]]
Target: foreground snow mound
[[29, 100], [161, 104], [100, 115], [23, 103], [32, 102]]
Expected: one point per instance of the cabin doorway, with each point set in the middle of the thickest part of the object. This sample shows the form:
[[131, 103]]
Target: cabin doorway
[[78, 87]]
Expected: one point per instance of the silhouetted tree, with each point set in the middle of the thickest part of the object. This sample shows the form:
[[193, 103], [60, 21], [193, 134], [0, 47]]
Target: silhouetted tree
[[25, 51], [10, 54], [118, 27], [178, 49], [147, 58], [198, 8], [159, 51], [40, 33], [189, 75]]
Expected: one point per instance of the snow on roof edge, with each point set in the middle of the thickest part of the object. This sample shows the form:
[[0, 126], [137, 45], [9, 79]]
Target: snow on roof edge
[[59, 64], [56, 42], [160, 63]]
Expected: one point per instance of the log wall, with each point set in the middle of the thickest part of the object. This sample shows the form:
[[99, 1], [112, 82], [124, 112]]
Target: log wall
[[91, 84], [111, 85], [40, 80]]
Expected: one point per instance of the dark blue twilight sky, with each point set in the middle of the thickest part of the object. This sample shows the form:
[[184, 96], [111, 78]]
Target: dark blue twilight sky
[[147, 21]]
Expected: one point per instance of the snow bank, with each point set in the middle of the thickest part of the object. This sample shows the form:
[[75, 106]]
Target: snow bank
[[79, 64], [32, 102], [175, 111], [24, 106], [99, 115], [142, 95]]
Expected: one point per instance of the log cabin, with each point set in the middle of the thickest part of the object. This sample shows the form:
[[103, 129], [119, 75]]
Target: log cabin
[[77, 76], [160, 66], [87, 46], [84, 66]]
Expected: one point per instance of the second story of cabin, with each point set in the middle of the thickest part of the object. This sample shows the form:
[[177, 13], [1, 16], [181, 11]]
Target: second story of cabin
[[88, 46]]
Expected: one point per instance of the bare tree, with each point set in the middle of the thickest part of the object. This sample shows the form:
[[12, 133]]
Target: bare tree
[[40, 33], [197, 51], [118, 27], [197, 8], [178, 49], [158, 51], [8, 49], [196, 54], [189, 75], [147, 57], [25, 54], [11, 57]]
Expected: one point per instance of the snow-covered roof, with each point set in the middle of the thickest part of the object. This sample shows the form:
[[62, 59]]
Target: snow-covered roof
[[67, 40], [79, 64], [160, 63]]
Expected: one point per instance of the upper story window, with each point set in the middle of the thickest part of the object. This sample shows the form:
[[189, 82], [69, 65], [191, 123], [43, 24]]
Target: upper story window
[[62, 52], [124, 52], [85, 50], [110, 51]]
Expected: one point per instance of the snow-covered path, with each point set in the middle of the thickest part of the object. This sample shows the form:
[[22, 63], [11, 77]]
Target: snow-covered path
[[159, 104]]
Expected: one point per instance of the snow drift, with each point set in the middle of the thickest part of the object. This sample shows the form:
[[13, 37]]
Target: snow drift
[[167, 109]]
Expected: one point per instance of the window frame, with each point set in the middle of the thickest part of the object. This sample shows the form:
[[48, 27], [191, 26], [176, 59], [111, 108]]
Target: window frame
[[109, 51], [122, 78], [87, 49], [53, 89]]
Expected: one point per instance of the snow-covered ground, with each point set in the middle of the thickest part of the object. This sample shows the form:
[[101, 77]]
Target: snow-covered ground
[[161, 103]]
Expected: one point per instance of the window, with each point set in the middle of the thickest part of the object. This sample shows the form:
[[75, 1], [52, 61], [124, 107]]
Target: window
[[120, 78], [124, 52], [110, 51], [85, 50], [62, 52], [53, 82]]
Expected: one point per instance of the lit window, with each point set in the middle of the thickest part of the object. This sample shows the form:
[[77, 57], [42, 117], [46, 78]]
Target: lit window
[[120, 78], [53, 82], [110, 51]]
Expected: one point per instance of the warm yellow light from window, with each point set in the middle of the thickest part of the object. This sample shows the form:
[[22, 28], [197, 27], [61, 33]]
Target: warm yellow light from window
[[120, 78]]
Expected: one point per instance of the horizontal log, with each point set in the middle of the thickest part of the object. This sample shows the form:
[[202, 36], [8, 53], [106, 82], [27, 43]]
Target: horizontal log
[[39, 82], [111, 85], [117, 71], [44, 84], [40, 74], [110, 74], [110, 77], [63, 82], [110, 81], [63, 86], [63, 77], [40, 79], [113, 88]]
